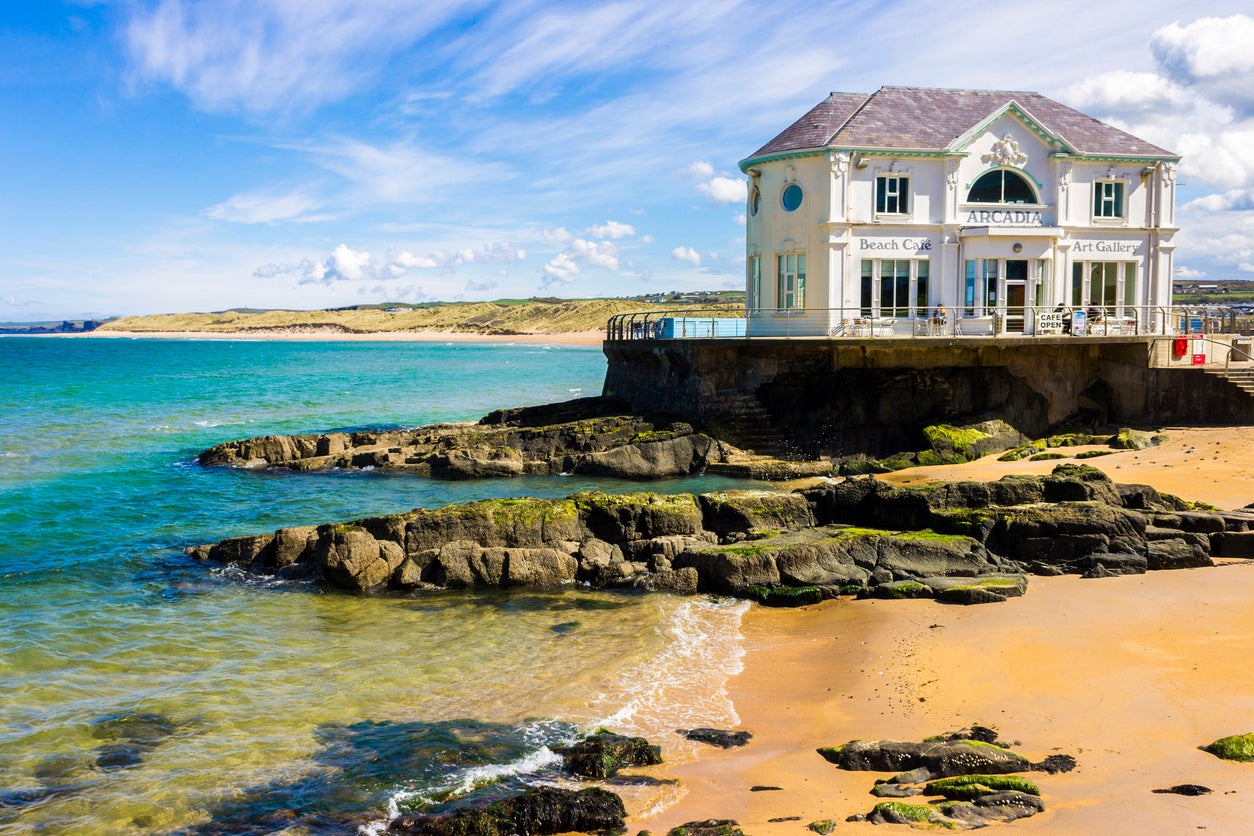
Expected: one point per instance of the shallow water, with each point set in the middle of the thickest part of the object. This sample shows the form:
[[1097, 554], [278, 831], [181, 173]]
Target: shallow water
[[146, 693]]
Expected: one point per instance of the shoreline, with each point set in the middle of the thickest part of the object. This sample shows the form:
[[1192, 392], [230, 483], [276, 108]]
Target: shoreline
[[581, 338], [1128, 674]]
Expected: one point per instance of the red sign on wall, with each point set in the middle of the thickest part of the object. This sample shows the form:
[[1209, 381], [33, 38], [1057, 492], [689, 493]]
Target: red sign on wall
[[1199, 350]]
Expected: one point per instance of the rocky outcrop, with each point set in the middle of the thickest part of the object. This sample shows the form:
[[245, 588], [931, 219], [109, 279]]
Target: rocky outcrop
[[536, 812], [969, 775], [965, 542], [582, 436], [603, 754]]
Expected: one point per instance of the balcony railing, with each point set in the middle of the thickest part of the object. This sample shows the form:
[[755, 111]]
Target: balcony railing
[[1035, 321]]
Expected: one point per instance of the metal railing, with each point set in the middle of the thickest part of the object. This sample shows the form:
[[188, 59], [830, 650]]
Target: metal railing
[[1027, 320]]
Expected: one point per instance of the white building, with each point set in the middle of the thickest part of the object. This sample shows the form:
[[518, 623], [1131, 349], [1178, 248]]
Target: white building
[[869, 212]]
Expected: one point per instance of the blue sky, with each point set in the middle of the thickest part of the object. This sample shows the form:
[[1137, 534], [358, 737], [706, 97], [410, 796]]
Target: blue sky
[[174, 155]]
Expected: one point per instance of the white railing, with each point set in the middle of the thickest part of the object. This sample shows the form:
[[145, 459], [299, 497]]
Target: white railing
[[1027, 320]]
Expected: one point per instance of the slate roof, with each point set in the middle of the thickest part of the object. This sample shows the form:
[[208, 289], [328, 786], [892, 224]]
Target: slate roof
[[931, 119]]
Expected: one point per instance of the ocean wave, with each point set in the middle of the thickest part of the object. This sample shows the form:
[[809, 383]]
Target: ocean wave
[[464, 781], [687, 683]]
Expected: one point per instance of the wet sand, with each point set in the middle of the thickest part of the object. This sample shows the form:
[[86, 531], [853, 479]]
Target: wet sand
[[1129, 675]]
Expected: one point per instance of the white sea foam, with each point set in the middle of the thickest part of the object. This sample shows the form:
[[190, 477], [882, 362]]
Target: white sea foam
[[208, 424], [687, 683], [470, 779]]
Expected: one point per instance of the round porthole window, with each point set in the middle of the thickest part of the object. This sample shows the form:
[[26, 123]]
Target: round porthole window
[[792, 197], [755, 202]]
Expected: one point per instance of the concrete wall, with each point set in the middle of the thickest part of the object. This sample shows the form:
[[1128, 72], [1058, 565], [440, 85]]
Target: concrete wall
[[834, 397]]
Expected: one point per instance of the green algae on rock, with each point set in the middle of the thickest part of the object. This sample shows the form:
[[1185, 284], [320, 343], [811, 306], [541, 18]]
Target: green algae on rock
[[1237, 747]]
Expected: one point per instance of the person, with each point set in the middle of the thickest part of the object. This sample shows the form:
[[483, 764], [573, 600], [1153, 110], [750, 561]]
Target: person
[[939, 317], [1066, 317]]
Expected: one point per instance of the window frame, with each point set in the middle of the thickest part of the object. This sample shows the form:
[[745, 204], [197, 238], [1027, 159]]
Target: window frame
[[755, 282], [872, 278], [1019, 173], [1121, 278], [901, 195], [790, 281], [1118, 200], [783, 197]]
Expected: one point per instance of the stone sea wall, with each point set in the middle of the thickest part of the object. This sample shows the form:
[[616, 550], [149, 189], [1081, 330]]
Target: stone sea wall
[[966, 542], [874, 397]]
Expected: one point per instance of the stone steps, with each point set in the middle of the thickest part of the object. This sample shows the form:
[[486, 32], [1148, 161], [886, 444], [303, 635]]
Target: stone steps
[[745, 423], [1242, 378]]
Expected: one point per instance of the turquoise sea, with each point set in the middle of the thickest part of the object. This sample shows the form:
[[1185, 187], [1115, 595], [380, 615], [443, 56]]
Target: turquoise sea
[[143, 692]]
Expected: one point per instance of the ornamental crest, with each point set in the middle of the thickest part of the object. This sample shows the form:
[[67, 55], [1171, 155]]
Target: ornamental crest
[[1005, 152]]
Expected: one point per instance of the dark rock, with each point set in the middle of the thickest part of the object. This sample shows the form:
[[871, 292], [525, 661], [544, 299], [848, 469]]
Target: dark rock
[[1233, 544], [1055, 764], [603, 754], [1111, 565], [760, 788], [538, 811], [728, 511], [709, 827], [121, 755], [1187, 789], [787, 596], [941, 758], [822, 827], [27, 798], [504, 443], [718, 737]]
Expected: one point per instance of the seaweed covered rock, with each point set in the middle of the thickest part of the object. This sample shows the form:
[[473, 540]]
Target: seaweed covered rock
[[1237, 747], [965, 542], [582, 436], [940, 778], [949, 444], [722, 738], [708, 827], [603, 754], [535, 812], [942, 758]]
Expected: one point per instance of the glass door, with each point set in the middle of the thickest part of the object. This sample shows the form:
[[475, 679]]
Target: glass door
[[1016, 294]]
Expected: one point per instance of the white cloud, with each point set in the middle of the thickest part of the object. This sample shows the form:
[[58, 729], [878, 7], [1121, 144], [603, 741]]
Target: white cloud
[[701, 170], [1234, 199], [272, 55], [265, 208], [561, 269], [1128, 95], [1189, 273], [687, 255], [1214, 56], [612, 229], [347, 265], [724, 190], [560, 235], [598, 254]]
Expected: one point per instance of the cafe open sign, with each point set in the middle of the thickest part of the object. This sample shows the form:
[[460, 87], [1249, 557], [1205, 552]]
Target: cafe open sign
[[1199, 350]]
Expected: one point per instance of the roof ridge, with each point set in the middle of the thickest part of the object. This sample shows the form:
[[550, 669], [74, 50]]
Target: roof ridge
[[962, 90], [851, 116]]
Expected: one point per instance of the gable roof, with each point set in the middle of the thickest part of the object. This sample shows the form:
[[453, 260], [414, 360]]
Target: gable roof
[[933, 119]]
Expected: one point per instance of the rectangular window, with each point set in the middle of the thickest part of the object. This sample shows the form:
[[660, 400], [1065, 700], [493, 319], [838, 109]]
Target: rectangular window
[[1108, 199], [755, 282], [894, 287], [892, 195], [1104, 287], [979, 292], [868, 287], [792, 280]]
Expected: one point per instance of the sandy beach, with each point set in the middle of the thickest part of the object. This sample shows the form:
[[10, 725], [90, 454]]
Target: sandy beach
[[562, 338], [1129, 675]]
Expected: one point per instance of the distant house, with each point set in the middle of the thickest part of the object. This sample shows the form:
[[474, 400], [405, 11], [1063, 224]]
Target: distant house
[[996, 204]]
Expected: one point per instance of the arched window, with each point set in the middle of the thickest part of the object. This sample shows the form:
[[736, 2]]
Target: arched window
[[1001, 186]]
